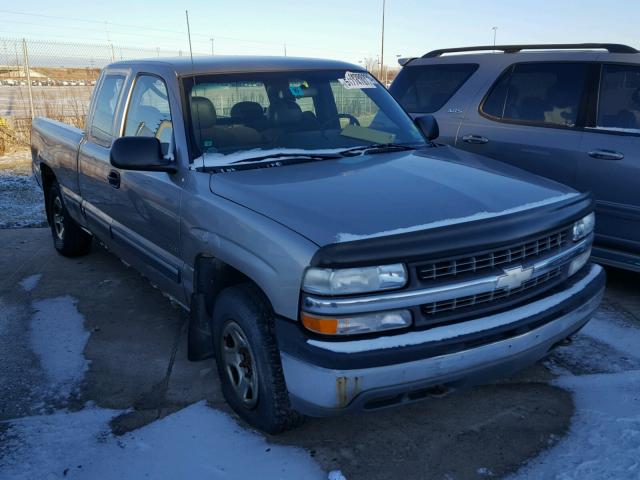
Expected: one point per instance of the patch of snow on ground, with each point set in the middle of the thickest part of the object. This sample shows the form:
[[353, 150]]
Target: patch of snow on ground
[[604, 438], [614, 331], [30, 282], [58, 337], [336, 475], [21, 202], [196, 442]]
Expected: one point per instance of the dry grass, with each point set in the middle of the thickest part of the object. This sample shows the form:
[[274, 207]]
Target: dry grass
[[15, 132]]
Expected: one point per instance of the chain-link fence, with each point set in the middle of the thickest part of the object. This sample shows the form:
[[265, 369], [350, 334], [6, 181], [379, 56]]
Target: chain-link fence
[[55, 80], [52, 79]]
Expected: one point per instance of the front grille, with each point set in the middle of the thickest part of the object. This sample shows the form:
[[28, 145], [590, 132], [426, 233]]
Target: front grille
[[439, 309], [489, 261]]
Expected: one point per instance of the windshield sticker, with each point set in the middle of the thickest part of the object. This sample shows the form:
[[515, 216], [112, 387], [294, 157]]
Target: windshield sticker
[[359, 80]]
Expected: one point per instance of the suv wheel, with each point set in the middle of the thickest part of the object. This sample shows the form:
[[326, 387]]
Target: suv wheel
[[248, 359], [68, 238]]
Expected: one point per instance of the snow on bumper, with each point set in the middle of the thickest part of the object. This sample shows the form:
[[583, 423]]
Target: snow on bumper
[[320, 391]]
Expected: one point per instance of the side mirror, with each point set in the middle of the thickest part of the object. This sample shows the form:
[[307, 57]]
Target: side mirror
[[140, 153], [429, 126]]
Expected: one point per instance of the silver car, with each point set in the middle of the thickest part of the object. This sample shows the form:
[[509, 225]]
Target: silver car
[[567, 112]]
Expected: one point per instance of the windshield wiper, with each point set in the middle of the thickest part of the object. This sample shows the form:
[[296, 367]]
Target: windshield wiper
[[376, 148], [304, 156]]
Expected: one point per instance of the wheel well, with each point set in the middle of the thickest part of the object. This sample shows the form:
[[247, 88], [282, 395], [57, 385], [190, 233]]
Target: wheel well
[[48, 177], [212, 275]]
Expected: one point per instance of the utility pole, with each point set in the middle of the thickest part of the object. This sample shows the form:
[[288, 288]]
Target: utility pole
[[27, 72], [382, 43], [495, 31], [285, 49], [211, 45]]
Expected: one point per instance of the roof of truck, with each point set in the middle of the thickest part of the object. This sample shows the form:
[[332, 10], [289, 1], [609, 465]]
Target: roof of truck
[[229, 64]]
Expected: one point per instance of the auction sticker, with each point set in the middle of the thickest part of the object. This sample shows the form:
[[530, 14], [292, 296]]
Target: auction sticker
[[353, 80]]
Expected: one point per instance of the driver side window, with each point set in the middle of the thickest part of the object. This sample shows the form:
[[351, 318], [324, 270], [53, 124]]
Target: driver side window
[[149, 114]]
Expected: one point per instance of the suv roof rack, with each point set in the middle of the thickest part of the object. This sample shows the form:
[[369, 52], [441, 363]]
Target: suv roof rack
[[610, 47]]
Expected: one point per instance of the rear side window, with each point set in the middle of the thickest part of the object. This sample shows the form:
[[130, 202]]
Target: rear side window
[[105, 108], [426, 88], [542, 93], [619, 98]]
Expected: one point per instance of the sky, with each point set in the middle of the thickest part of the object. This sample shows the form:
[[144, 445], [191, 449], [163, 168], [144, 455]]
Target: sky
[[348, 30]]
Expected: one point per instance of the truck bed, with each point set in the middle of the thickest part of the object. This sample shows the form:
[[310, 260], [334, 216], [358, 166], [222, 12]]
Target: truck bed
[[56, 144]]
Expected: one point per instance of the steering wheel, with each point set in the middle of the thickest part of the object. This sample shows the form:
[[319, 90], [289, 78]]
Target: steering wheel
[[352, 120]]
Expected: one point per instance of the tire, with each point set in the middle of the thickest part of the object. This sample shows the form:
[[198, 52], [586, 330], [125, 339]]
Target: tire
[[68, 238], [243, 322]]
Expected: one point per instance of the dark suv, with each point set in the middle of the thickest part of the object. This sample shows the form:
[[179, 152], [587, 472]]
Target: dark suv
[[567, 112]]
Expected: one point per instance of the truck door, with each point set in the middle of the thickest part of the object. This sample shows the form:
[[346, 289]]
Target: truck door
[[93, 156], [610, 156], [531, 118], [145, 206]]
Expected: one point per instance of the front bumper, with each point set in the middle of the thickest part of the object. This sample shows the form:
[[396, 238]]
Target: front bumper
[[328, 377]]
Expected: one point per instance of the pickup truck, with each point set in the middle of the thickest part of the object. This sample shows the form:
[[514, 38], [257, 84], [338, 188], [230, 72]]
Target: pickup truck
[[332, 256]]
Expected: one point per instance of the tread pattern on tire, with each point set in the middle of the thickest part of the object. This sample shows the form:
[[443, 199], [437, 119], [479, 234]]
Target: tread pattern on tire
[[282, 416]]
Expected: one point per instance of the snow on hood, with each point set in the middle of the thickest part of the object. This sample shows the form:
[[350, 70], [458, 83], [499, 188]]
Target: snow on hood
[[215, 159]]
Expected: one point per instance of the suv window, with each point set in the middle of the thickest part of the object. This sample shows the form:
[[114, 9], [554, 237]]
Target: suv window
[[149, 114], [425, 89], [543, 93], [619, 98], [105, 108]]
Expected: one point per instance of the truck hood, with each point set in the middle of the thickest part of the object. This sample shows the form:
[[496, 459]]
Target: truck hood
[[368, 196]]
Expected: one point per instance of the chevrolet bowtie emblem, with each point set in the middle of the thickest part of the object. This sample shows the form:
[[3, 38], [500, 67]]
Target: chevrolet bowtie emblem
[[514, 277]]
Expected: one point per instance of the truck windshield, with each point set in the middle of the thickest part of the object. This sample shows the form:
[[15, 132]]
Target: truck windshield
[[240, 117]]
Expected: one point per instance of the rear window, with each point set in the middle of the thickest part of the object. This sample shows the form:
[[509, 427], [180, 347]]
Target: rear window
[[542, 93], [426, 88]]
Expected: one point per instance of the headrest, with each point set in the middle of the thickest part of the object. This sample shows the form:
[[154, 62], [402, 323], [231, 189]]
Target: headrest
[[247, 111], [203, 113], [143, 120], [285, 113]]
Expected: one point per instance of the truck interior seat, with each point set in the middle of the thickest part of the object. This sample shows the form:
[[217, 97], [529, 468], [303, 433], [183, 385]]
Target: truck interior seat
[[211, 135]]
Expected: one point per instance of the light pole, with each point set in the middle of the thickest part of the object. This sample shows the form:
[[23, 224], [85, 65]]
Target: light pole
[[382, 43], [211, 45], [495, 32]]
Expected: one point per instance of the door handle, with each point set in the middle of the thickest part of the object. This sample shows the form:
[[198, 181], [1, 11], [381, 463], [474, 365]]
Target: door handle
[[606, 154], [114, 179], [475, 139]]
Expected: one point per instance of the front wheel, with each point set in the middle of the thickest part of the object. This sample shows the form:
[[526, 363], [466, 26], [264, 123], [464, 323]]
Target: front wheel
[[68, 238], [248, 359]]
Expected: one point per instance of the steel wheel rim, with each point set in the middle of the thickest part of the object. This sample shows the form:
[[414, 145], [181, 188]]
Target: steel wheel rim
[[58, 218], [239, 364]]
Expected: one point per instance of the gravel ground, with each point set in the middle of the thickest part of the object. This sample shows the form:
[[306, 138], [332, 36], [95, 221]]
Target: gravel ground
[[21, 202]]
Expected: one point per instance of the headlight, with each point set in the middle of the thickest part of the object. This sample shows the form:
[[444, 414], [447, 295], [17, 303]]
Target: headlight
[[583, 227], [328, 281], [365, 323]]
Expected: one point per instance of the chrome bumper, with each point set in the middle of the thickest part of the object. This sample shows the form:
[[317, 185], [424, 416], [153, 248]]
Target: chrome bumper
[[321, 391]]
